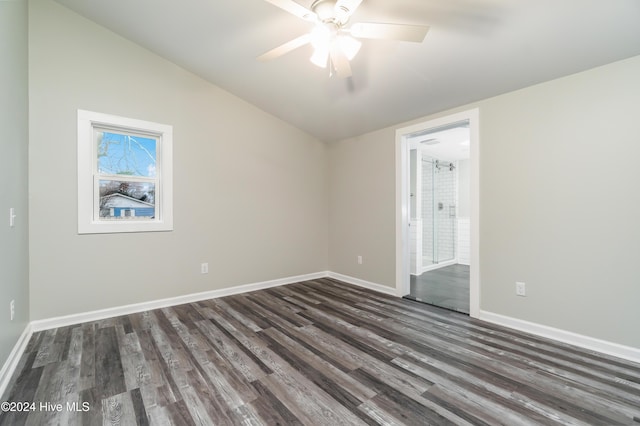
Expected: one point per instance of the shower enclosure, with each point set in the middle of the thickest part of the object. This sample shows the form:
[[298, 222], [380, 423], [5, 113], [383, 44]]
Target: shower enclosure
[[439, 179]]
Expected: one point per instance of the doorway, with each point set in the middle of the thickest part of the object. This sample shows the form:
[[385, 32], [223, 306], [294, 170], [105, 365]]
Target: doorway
[[439, 203], [437, 247]]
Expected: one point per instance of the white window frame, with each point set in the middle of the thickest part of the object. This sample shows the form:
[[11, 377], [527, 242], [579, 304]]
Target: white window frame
[[89, 221]]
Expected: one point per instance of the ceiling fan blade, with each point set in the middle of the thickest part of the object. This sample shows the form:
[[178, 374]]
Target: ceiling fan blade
[[375, 30], [345, 8], [285, 48], [294, 8], [340, 62]]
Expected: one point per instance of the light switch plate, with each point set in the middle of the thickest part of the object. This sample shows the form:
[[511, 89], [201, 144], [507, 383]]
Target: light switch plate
[[12, 217]]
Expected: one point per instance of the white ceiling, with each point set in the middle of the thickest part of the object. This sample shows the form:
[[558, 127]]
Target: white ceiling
[[449, 144], [475, 49]]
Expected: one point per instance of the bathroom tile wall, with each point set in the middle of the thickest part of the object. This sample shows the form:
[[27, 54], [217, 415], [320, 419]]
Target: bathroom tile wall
[[464, 241], [444, 209]]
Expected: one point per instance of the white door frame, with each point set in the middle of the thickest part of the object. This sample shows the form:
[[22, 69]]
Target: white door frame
[[402, 202]]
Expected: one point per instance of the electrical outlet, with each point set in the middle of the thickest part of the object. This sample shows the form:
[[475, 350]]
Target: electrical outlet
[[204, 268], [359, 260], [521, 289], [12, 309]]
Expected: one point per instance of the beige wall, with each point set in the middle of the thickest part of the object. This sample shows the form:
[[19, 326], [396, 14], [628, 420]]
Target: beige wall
[[14, 251], [250, 193], [362, 210], [559, 203]]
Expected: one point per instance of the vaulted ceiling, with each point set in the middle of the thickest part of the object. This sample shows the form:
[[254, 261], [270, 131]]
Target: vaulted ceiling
[[475, 49]]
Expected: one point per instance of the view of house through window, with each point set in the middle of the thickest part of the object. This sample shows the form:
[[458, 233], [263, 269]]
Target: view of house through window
[[126, 175]]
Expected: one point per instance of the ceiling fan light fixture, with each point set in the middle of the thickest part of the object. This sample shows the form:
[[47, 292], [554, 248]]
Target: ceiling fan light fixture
[[320, 56], [349, 46], [320, 36]]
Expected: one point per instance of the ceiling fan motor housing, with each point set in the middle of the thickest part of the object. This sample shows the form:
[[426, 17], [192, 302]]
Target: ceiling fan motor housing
[[327, 12]]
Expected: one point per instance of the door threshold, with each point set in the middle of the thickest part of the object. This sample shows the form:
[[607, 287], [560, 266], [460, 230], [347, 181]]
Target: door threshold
[[425, 302]]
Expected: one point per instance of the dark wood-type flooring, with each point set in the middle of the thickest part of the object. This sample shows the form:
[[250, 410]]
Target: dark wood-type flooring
[[315, 353], [447, 287]]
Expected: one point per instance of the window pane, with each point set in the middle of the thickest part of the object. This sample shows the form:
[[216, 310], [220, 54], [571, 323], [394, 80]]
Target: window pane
[[124, 154], [122, 200]]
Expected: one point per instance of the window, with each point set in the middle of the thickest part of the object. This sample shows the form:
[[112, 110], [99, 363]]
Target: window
[[124, 174]]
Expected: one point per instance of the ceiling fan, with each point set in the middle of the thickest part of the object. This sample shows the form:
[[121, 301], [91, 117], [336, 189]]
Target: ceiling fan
[[334, 43]]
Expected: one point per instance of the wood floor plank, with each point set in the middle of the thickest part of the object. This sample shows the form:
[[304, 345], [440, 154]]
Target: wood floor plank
[[49, 351], [195, 406], [150, 356], [138, 408], [473, 409], [329, 371], [221, 345], [377, 414], [314, 353], [269, 318], [275, 308], [295, 393], [116, 409], [169, 389], [73, 361], [408, 411], [247, 354], [245, 318], [136, 370], [327, 352], [245, 415], [270, 408], [212, 368], [482, 393], [109, 373], [212, 400], [93, 416], [179, 414], [88, 358], [320, 379]]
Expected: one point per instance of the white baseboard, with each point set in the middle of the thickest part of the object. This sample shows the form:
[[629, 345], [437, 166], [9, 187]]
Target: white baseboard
[[66, 320], [362, 283], [586, 342], [14, 357], [435, 266]]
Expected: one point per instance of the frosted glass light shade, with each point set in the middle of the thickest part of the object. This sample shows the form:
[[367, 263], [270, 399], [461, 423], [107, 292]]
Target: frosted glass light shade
[[349, 46], [320, 57]]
